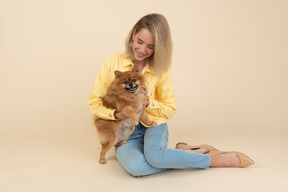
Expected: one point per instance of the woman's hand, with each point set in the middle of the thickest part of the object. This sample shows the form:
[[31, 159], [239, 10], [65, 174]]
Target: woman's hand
[[145, 92], [119, 115]]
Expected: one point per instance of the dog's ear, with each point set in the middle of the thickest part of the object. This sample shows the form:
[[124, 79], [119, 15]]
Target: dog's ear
[[135, 68], [117, 74]]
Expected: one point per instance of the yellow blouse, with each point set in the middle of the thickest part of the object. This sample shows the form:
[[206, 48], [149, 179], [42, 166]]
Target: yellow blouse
[[160, 90]]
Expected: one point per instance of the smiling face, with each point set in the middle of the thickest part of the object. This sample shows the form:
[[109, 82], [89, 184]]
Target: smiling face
[[129, 80], [130, 85], [143, 45]]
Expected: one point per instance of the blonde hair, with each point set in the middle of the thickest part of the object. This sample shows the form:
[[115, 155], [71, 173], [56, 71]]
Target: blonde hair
[[158, 26]]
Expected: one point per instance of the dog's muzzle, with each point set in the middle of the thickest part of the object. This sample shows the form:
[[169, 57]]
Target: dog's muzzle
[[131, 87]]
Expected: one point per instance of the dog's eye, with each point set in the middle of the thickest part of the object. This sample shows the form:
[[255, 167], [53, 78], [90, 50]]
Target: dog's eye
[[134, 80], [125, 81]]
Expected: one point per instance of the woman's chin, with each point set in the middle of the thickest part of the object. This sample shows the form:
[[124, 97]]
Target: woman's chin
[[139, 59]]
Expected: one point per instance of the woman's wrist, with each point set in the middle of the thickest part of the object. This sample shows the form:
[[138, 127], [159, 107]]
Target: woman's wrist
[[119, 116], [116, 114]]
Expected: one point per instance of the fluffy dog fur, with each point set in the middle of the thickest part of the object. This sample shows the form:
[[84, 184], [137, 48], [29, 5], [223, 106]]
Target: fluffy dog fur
[[126, 95]]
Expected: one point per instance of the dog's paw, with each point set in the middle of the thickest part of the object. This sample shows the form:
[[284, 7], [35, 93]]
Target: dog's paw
[[135, 121], [102, 161], [120, 143]]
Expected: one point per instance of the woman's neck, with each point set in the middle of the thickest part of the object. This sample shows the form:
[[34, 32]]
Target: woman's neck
[[140, 65]]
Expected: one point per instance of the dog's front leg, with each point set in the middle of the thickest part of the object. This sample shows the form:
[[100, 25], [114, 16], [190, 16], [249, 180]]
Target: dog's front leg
[[128, 111], [145, 119]]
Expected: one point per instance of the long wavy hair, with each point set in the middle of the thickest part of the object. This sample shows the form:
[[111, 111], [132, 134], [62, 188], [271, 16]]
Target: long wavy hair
[[158, 26]]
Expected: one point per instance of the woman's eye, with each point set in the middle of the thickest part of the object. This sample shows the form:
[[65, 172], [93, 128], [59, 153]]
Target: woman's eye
[[125, 81], [134, 80], [139, 42]]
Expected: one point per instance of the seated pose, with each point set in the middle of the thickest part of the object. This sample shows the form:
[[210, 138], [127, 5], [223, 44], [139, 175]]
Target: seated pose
[[149, 47]]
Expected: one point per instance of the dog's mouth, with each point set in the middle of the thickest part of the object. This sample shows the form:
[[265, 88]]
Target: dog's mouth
[[132, 89]]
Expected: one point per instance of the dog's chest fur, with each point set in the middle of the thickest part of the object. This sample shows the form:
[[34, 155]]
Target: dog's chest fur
[[126, 126], [116, 101]]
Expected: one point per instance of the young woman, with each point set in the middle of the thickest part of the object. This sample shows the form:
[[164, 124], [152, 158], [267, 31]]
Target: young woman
[[149, 47]]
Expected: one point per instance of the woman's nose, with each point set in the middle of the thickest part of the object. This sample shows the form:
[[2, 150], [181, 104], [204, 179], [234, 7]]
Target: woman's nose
[[142, 49]]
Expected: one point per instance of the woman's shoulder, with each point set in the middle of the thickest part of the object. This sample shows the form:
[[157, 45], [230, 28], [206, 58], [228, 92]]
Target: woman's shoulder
[[117, 58], [119, 62]]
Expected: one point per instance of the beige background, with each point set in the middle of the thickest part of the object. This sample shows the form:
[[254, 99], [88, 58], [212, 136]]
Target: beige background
[[229, 72]]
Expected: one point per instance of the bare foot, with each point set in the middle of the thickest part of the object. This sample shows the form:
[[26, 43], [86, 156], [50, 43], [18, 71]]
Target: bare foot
[[201, 150], [225, 160]]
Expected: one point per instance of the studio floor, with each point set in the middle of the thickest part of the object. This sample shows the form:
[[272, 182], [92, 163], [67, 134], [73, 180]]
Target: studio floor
[[70, 163]]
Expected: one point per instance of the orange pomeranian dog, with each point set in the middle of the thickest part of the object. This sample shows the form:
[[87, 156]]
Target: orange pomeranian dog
[[126, 94]]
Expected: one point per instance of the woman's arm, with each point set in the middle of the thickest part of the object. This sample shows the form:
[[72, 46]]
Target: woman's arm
[[103, 80], [163, 105]]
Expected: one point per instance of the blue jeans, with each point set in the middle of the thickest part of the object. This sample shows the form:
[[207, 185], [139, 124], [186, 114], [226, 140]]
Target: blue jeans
[[146, 153]]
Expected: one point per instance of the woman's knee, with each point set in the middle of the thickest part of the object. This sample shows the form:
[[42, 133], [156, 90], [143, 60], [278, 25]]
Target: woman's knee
[[133, 162], [155, 158], [135, 168]]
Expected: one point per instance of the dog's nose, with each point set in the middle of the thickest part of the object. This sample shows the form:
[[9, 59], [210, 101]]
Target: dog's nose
[[130, 84]]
